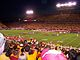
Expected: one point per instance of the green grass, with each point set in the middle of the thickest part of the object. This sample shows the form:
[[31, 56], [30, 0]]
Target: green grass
[[67, 39]]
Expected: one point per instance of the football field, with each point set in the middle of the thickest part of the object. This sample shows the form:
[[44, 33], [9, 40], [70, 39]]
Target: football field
[[65, 39]]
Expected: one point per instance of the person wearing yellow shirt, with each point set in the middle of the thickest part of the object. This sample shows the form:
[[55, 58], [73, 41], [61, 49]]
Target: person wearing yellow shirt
[[4, 57], [14, 55], [39, 56], [32, 55], [19, 47]]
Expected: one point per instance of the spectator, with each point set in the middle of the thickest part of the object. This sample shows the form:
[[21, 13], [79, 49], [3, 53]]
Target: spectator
[[22, 56], [14, 55]]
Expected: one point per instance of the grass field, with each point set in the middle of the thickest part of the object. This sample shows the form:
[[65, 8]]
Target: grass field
[[66, 39]]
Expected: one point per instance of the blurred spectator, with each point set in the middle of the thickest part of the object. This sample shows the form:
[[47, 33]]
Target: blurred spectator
[[22, 56]]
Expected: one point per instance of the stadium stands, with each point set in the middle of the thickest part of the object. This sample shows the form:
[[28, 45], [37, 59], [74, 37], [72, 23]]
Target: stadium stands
[[47, 26], [18, 48], [68, 21], [2, 26]]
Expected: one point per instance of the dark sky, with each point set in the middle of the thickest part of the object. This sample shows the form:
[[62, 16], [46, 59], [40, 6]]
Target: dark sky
[[17, 8]]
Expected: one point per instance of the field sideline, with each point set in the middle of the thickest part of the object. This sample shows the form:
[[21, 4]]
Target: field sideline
[[66, 39]]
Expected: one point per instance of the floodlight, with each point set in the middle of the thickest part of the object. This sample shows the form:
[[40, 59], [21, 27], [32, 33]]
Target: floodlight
[[25, 20], [70, 4], [74, 3], [62, 5], [29, 12], [66, 4], [34, 20], [58, 5]]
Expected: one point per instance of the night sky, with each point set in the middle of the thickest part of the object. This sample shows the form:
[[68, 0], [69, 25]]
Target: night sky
[[17, 8]]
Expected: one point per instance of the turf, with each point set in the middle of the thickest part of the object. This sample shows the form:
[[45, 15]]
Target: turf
[[66, 39]]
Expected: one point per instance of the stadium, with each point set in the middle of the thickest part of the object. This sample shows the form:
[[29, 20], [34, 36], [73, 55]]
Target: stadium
[[58, 30]]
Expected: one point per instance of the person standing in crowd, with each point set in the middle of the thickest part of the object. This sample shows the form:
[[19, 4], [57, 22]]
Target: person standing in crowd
[[14, 55], [72, 54], [22, 56], [3, 55], [78, 55], [32, 53]]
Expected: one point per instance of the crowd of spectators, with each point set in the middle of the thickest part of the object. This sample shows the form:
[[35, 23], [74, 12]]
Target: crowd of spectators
[[75, 27], [62, 17], [2, 26], [31, 50], [47, 26]]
